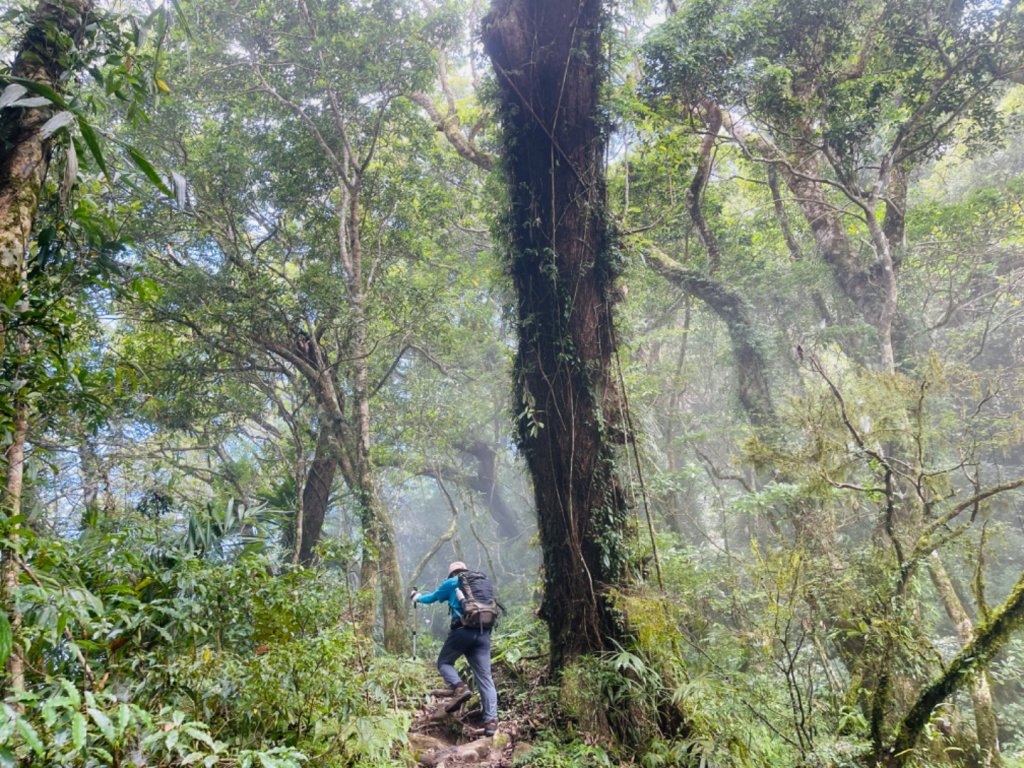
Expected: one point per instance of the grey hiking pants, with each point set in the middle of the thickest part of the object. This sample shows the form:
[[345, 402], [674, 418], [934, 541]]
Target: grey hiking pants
[[475, 645]]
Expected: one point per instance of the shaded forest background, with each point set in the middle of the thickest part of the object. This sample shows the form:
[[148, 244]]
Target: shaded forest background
[[697, 325]]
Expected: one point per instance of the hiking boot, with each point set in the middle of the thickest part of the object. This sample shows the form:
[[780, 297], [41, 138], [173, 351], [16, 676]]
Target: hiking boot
[[442, 693], [490, 727], [460, 696]]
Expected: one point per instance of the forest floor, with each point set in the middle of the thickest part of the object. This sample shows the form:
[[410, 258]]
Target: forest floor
[[442, 740]]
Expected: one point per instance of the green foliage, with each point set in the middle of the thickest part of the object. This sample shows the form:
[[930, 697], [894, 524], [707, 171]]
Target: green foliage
[[622, 697], [182, 659], [123, 55], [862, 74], [63, 726], [724, 646], [1007, 674], [522, 638], [555, 753], [161, 628]]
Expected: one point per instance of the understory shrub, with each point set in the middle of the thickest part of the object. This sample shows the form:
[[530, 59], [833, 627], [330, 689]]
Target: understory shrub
[[140, 652]]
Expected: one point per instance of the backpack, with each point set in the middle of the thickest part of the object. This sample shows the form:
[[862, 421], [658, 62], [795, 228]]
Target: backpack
[[476, 598]]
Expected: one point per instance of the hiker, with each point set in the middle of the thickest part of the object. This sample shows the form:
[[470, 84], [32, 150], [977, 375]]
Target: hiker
[[473, 642]]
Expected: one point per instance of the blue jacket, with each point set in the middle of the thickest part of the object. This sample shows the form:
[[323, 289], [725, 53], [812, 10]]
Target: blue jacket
[[445, 592]]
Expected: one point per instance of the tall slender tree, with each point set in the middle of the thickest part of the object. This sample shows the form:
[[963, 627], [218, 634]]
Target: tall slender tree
[[43, 59]]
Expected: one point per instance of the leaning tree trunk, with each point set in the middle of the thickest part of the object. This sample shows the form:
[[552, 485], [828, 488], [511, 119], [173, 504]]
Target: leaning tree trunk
[[550, 66], [988, 639], [985, 723], [753, 388]]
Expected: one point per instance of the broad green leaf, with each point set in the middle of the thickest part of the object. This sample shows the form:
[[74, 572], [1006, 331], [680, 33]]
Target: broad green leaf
[[42, 89], [73, 696], [199, 735], [28, 733], [103, 722], [142, 717], [124, 718], [11, 94], [153, 738], [49, 711], [55, 123], [78, 726], [147, 288], [35, 101], [147, 169], [7, 758], [7, 724], [89, 136]]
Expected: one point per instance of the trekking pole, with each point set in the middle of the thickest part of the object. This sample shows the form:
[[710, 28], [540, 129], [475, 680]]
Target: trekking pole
[[414, 628]]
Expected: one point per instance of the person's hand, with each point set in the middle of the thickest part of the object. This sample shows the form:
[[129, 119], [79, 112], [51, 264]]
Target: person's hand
[[414, 594]]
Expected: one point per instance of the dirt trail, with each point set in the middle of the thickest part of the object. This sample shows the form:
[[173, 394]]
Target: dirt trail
[[442, 740]]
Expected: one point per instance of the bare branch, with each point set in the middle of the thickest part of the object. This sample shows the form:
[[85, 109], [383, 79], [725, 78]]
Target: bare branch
[[449, 125]]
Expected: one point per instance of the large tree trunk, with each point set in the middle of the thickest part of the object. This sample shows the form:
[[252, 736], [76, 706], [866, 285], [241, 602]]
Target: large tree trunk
[[549, 62], [316, 494], [379, 570], [381, 553], [855, 279], [396, 639]]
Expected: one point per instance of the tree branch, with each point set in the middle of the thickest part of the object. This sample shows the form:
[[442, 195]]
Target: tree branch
[[449, 125], [737, 314], [988, 639]]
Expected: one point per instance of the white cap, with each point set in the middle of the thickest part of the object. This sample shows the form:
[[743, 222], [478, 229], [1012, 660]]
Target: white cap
[[458, 565]]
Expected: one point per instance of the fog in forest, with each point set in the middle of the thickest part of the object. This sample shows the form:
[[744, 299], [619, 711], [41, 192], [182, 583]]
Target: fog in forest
[[697, 327]]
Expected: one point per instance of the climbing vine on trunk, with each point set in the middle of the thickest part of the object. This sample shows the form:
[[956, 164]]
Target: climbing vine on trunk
[[561, 256]]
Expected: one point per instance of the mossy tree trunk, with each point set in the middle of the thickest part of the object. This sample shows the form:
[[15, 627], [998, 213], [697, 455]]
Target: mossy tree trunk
[[56, 28], [24, 152], [548, 59], [985, 723], [972, 660], [347, 444]]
